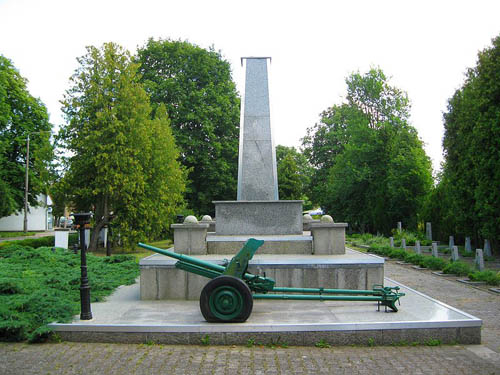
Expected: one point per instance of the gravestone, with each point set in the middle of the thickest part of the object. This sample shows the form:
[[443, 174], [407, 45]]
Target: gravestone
[[400, 226], [428, 231], [468, 247], [479, 260], [487, 248], [403, 243], [454, 254], [451, 243], [435, 249], [418, 249], [391, 239]]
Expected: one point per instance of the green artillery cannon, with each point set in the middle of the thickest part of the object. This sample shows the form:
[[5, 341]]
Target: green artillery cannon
[[229, 296]]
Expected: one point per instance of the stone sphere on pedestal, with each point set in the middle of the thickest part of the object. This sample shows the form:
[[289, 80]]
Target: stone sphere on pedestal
[[190, 220], [326, 219]]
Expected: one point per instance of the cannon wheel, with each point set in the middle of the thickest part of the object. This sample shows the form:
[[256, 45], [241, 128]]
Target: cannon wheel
[[226, 299]]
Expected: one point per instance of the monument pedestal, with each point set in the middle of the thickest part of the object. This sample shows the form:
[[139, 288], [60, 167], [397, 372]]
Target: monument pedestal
[[353, 270]]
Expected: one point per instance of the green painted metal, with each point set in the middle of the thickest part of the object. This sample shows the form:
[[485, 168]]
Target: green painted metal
[[226, 302], [206, 269], [238, 265]]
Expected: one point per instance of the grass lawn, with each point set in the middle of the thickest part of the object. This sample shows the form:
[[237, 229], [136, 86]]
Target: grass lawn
[[16, 234]]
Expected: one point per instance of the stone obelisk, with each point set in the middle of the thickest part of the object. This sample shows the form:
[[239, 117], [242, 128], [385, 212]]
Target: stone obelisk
[[257, 173]]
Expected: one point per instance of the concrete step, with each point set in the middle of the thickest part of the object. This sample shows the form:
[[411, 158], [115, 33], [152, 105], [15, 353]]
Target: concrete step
[[274, 244]]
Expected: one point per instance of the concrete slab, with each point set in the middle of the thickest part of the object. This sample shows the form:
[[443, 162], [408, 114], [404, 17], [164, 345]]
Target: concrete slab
[[124, 317], [273, 244], [353, 270]]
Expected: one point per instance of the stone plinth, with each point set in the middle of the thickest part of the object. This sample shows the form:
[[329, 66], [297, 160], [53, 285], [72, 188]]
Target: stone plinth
[[61, 237], [190, 238], [284, 244], [328, 238], [353, 270], [258, 217]]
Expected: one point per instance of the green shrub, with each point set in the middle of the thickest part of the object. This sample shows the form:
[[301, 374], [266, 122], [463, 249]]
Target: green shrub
[[410, 237], [433, 263], [466, 254], [398, 254], [490, 277], [457, 268], [39, 286], [413, 258]]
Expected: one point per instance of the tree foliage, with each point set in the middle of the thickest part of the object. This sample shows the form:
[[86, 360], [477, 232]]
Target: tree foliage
[[294, 173], [124, 161], [196, 87], [21, 115], [371, 169], [471, 172]]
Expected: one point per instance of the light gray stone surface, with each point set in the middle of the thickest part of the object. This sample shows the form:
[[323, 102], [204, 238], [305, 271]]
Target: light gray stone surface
[[61, 237], [257, 173], [400, 226], [391, 241], [354, 270], [418, 249], [435, 249], [487, 248], [479, 261], [451, 242], [428, 231], [258, 217], [454, 254], [403, 243], [190, 238], [278, 244], [468, 246], [328, 238], [123, 317]]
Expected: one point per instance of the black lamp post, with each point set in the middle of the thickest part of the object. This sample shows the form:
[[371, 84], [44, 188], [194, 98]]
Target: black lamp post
[[82, 220]]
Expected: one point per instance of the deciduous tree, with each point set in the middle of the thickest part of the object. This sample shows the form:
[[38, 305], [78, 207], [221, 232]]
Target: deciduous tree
[[196, 87], [21, 115]]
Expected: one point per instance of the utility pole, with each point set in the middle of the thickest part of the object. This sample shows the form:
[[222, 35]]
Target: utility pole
[[25, 223]]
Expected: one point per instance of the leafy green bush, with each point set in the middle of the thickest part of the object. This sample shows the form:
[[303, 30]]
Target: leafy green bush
[[413, 258], [457, 268], [410, 237], [433, 263], [490, 277], [39, 242], [466, 254], [398, 254], [40, 286]]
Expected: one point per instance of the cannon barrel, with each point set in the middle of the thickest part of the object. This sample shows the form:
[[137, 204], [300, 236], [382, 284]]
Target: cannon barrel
[[185, 258]]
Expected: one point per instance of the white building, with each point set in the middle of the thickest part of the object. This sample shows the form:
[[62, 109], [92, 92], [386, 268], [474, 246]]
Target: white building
[[39, 218]]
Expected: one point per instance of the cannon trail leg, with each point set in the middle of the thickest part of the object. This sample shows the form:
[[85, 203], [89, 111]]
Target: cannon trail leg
[[226, 299]]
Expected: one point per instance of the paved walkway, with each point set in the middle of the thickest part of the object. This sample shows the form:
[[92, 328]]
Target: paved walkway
[[36, 235], [76, 358]]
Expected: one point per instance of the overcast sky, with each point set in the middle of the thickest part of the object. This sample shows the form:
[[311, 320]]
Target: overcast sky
[[425, 46]]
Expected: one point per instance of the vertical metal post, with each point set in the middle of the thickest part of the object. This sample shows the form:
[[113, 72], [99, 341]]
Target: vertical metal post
[[25, 224], [82, 220], [86, 313]]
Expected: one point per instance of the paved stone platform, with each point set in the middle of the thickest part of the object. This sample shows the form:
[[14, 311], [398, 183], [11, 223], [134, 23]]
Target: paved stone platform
[[274, 244], [125, 318]]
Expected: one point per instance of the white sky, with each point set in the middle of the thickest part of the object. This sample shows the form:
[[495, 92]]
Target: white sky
[[425, 46]]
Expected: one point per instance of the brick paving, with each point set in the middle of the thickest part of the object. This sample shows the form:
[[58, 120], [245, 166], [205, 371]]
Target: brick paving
[[84, 358]]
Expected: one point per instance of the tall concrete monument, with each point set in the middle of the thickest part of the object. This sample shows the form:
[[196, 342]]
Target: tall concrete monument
[[257, 172], [257, 210]]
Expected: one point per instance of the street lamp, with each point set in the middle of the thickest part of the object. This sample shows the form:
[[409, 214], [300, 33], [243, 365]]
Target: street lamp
[[82, 220], [25, 224]]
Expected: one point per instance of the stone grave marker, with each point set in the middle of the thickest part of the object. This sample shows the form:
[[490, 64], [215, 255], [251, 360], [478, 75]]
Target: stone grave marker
[[468, 247], [479, 260], [487, 248], [428, 231], [418, 249], [454, 254], [391, 239], [451, 243], [435, 249]]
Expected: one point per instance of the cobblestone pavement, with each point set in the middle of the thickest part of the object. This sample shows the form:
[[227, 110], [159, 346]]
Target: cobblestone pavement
[[84, 358]]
